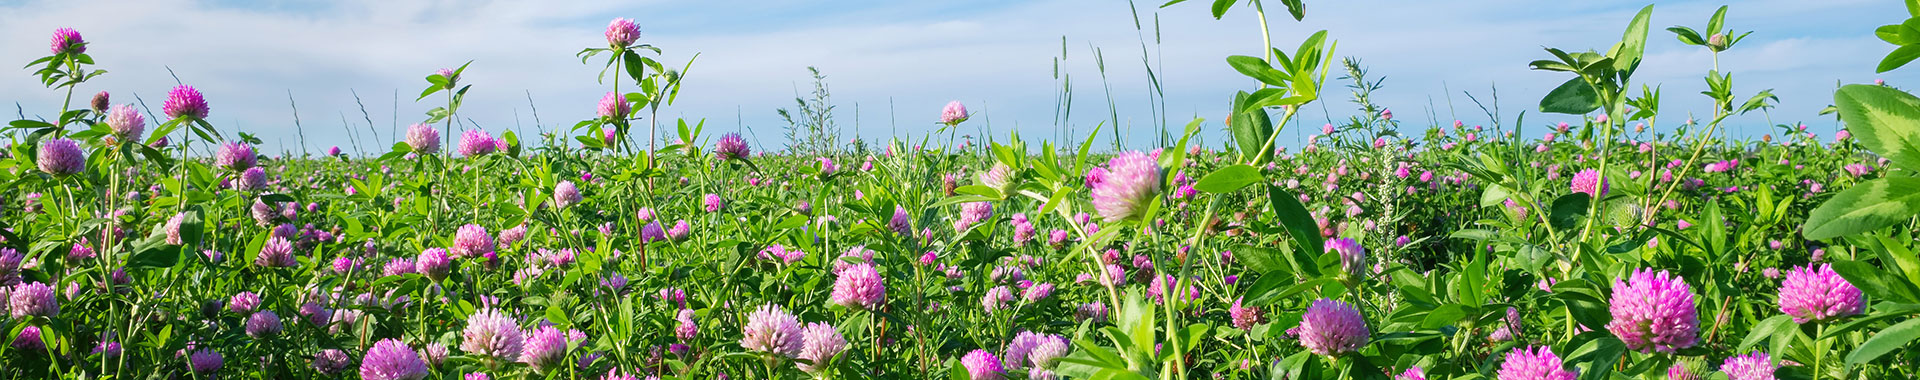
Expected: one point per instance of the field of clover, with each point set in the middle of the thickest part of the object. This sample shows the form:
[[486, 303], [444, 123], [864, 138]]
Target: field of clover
[[1629, 245]]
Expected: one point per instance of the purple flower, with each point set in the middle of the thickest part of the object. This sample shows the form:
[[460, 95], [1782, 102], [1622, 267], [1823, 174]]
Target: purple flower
[[263, 324], [61, 157], [1818, 294], [1332, 327], [820, 342], [954, 113], [1353, 257], [859, 286], [1753, 366], [253, 179], [492, 333], [126, 122], [277, 252], [475, 143], [972, 212], [235, 156], [185, 102], [331, 361], [67, 41], [391, 359], [688, 329], [713, 203], [33, 299], [999, 177], [1244, 318], [901, 223], [205, 362], [1589, 181], [982, 365], [996, 298], [333, 151], [565, 194], [29, 340], [680, 230], [771, 330], [731, 147], [472, 241], [1654, 311], [434, 263], [423, 139], [1129, 182], [621, 33], [1508, 329], [1686, 370], [1534, 363], [1414, 373], [244, 302], [545, 348], [453, 78], [1037, 292], [614, 106]]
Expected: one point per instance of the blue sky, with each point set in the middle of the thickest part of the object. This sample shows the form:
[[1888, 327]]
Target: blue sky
[[996, 56]]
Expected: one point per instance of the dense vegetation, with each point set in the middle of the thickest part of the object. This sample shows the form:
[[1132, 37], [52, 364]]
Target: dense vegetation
[[1627, 246]]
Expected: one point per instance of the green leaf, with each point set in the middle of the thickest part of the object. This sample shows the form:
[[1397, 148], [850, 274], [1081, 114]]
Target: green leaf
[[1573, 97], [1569, 210], [1258, 69], [1876, 283], [1220, 7], [1229, 179], [1261, 260], [1687, 35], [1895, 337], [1866, 207], [1634, 43], [1765, 329], [1300, 225], [1885, 120], [1899, 57]]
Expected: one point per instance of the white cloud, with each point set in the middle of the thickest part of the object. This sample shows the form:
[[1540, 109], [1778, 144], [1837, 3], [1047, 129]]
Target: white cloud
[[998, 59]]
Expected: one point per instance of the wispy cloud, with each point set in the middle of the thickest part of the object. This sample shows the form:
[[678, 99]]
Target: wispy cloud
[[915, 56]]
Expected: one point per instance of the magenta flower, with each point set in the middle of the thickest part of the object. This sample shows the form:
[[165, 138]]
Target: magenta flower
[[492, 333], [61, 157], [423, 139], [771, 330], [1818, 294], [1589, 181], [253, 179], [235, 156], [1654, 311], [731, 147], [1122, 190], [475, 143], [999, 177], [68, 41], [453, 79], [205, 362], [1534, 363], [391, 359], [614, 106], [982, 365], [954, 113], [472, 241], [173, 229], [565, 194], [544, 348], [332, 361], [1353, 257], [713, 203], [126, 122], [1414, 373], [276, 253], [1245, 317], [434, 264], [1509, 328], [820, 342], [33, 299], [621, 33], [263, 324], [996, 299], [1333, 327], [185, 102], [859, 286], [1753, 366], [244, 302]]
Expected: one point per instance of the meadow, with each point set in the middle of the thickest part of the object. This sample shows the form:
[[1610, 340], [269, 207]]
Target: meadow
[[1635, 244]]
